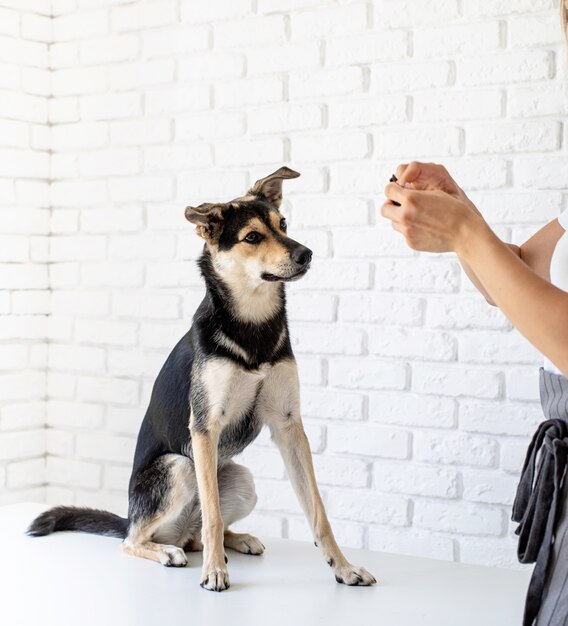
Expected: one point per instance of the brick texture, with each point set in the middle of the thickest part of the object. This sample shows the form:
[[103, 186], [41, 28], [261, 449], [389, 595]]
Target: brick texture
[[25, 34], [418, 398]]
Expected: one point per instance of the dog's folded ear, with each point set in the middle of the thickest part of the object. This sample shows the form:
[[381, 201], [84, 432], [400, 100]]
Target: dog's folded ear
[[269, 188], [208, 219]]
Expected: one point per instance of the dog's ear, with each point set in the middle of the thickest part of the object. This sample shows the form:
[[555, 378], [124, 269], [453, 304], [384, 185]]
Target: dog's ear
[[270, 187], [208, 219]]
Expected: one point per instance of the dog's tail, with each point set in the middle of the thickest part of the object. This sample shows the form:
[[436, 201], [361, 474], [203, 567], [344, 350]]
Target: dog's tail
[[75, 518]]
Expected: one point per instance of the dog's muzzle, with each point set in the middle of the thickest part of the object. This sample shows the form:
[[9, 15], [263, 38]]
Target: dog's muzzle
[[301, 258]]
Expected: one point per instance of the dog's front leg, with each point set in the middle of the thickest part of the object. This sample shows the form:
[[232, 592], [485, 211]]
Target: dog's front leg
[[291, 439], [214, 575]]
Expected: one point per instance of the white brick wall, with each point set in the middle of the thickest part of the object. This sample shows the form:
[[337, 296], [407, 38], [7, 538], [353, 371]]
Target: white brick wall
[[418, 397], [24, 226]]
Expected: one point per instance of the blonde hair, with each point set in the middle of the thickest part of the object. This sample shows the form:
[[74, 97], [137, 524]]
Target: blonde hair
[[564, 14]]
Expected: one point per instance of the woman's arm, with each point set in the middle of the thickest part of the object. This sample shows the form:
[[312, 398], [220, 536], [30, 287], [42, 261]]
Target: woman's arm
[[436, 221], [536, 253], [516, 250], [538, 309]]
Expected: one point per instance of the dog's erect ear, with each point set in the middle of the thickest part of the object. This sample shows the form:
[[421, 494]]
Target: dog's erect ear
[[208, 219], [270, 187]]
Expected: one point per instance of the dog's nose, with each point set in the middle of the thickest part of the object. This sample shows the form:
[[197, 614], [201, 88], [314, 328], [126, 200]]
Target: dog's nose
[[301, 255]]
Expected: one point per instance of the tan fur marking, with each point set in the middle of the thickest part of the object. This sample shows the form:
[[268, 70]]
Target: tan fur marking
[[231, 345], [205, 459], [255, 299], [269, 251], [281, 339], [275, 219], [159, 552], [255, 224], [150, 539], [279, 401], [243, 542], [138, 543], [295, 450]]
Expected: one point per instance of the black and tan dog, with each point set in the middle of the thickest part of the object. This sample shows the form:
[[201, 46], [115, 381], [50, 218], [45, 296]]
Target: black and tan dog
[[232, 373]]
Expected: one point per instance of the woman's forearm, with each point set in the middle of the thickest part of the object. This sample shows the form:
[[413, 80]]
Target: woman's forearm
[[538, 309], [475, 280]]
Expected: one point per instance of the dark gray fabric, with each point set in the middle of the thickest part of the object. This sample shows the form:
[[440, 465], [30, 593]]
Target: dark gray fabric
[[540, 508], [554, 607]]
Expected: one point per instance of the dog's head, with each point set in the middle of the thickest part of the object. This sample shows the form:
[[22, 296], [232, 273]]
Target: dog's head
[[249, 234]]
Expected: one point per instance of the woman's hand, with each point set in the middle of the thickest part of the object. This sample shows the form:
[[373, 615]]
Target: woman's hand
[[427, 177], [430, 177], [431, 220]]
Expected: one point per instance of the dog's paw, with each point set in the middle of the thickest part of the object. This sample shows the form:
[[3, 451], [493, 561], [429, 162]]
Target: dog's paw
[[354, 576], [215, 579], [172, 556], [243, 542]]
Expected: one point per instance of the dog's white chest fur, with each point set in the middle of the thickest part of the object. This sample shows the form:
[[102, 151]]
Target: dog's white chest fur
[[231, 389]]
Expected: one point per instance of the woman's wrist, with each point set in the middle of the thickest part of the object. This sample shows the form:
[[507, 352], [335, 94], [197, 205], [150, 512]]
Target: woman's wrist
[[473, 232]]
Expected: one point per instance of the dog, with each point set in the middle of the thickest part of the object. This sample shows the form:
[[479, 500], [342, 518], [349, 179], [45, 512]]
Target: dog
[[230, 375]]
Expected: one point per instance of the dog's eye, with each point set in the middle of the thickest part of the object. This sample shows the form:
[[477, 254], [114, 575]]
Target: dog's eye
[[253, 237], [283, 224]]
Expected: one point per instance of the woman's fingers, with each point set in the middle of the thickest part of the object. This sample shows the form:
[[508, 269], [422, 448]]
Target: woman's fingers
[[404, 230], [409, 172], [398, 227], [426, 176], [395, 193], [400, 170], [390, 211]]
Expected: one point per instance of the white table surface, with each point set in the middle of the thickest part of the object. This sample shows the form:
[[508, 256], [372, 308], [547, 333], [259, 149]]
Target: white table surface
[[74, 579]]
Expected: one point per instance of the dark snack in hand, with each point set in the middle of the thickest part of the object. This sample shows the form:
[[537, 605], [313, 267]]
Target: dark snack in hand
[[394, 179]]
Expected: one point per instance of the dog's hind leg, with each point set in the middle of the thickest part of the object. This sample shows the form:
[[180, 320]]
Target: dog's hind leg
[[160, 497], [237, 497]]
